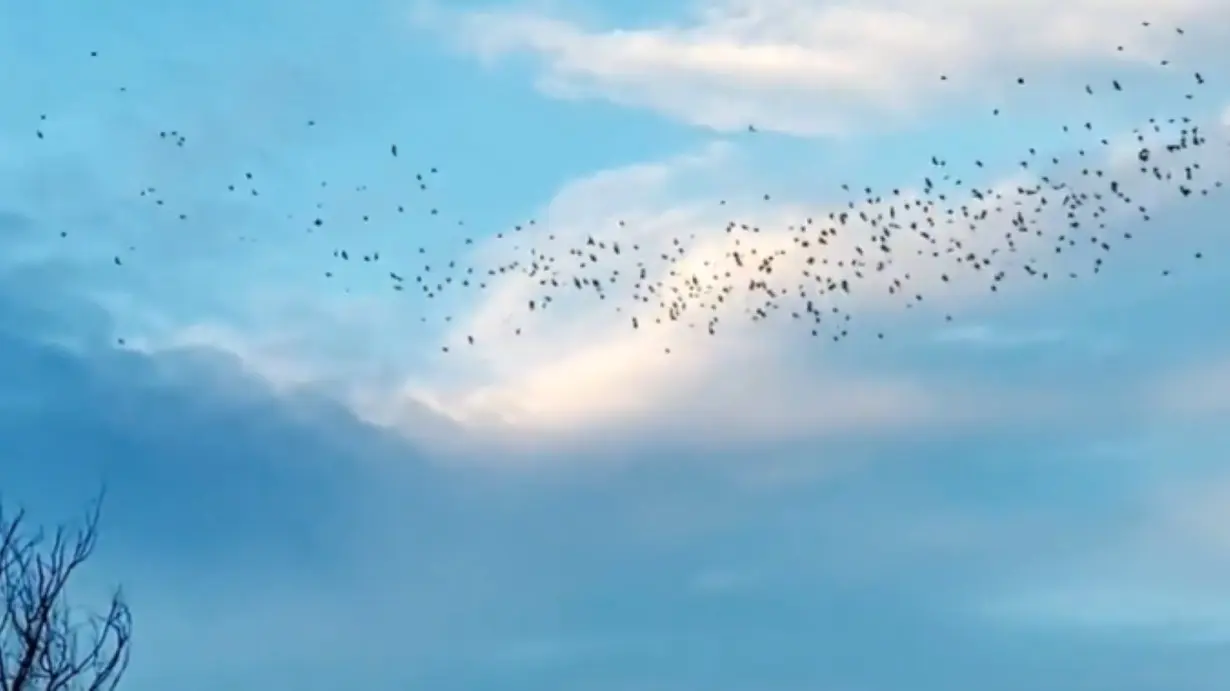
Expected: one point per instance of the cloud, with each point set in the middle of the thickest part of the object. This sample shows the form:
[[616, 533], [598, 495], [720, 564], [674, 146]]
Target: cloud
[[817, 66], [577, 369]]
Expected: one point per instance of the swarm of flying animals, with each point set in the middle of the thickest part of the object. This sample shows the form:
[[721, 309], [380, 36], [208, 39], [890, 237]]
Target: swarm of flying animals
[[900, 244]]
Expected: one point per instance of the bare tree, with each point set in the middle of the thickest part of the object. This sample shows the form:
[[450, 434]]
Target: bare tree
[[45, 644]]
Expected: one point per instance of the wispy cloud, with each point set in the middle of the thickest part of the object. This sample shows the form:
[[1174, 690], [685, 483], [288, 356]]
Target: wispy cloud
[[822, 66]]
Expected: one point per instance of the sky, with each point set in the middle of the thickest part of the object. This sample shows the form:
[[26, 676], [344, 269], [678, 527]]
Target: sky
[[305, 491]]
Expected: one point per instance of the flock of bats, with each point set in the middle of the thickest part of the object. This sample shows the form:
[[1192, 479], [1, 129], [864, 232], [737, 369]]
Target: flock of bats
[[1060, 222]]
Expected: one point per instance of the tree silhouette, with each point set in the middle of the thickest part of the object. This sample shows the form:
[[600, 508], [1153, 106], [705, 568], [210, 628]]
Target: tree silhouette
[[45, 643]]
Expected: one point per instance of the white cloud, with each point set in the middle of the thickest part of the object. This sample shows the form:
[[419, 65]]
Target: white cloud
[[261, 356], [579, 368], [821, 66]]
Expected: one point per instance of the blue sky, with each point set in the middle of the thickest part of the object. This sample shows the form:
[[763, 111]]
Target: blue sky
[[305, 492]]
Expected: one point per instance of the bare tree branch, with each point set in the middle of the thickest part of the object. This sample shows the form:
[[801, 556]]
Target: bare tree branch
[[45, 643]]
